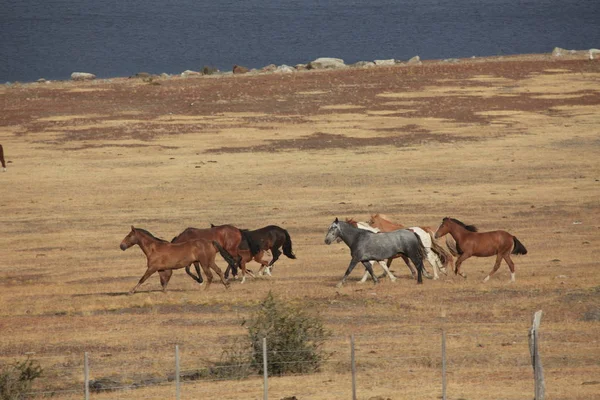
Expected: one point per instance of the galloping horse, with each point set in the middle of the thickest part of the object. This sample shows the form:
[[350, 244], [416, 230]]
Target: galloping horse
[[228, 236], [436, 255], [164, 256], [366, 246], [271, 237], [471, 243], [2, 158], [384, 265]]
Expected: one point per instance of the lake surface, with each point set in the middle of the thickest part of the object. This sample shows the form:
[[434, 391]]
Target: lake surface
[[53, 38]]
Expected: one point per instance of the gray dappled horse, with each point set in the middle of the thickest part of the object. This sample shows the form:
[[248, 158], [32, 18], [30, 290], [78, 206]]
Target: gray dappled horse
[[366, 246]]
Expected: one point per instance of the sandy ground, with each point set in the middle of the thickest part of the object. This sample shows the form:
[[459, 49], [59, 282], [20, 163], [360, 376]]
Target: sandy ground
[[507, 143]]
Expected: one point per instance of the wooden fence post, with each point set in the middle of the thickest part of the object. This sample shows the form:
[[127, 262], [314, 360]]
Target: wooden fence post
[[444, 365], [177, 374], [265, 371], [353, 364], [86, 376], [536, 361]]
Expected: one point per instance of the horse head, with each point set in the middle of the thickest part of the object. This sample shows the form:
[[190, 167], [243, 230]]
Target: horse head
[[333, 233], [129, 240], [444, 228]]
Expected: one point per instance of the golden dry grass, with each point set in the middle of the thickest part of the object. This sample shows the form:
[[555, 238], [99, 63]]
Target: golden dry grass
[[490, 144]]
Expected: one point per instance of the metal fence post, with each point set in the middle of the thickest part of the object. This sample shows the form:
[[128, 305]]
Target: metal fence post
[[443, 365], [536, 361], [265, 370], [177, 386], [86, 376], [353, 363]]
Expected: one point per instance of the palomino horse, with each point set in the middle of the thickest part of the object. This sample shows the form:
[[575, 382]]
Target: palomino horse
[[436, 255], [228, 236], [2, 158], [485, 244], [164, 256], [366, 246]]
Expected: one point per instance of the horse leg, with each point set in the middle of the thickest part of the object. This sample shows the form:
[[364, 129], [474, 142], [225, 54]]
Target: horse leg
[[197, 266], [434, 261], [511, 265], [412, 269], [369, 268], [146, 275], [387, 270], [165, 276], [208, 273], [496, 266], [216, 268], [194, 277], [276, 253], [366, 274], [353, 263], [459, 261]]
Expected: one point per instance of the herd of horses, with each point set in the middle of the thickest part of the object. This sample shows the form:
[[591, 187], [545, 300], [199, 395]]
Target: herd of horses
[[378, 240]]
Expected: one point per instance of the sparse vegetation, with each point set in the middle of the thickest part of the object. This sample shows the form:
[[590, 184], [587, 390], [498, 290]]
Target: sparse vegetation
[[294, 338], [16, 379]]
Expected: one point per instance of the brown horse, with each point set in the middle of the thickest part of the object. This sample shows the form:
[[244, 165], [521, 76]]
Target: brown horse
[[485, 244], [437, 256], [2, 158], [229, 238], [164, 256]]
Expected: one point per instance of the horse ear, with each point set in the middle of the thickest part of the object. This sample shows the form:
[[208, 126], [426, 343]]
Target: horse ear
[[132, 228], [336, 220]]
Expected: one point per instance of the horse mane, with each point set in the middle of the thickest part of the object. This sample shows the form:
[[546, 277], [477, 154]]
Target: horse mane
[[352, 221], [471, 228], [149, 234]]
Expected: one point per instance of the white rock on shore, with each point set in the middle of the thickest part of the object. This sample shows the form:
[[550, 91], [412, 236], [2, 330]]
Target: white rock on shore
[[326, 63], [82, 76]]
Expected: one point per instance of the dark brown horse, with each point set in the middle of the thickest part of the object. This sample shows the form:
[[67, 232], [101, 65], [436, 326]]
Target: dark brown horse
[[273, 238], [164, 256], [2, 158], [229, 238], [469, 243]]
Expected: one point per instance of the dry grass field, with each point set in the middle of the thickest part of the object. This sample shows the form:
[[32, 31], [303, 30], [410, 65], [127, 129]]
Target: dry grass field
[[511, 143]]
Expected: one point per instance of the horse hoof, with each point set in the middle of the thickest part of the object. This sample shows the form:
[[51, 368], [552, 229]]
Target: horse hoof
[[339, 285]]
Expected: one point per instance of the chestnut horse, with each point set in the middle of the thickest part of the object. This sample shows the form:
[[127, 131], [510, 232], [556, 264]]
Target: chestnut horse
[[2, 158], [436, 255], [228, 236], [164, 256], [485, 244]]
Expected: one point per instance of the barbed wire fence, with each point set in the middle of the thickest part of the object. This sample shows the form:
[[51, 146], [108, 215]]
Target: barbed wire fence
[[72, 375]]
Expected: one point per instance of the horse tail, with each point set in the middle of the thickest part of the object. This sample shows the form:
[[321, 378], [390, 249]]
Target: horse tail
[[253, 245], [287, 246], [518, 247], [420, 248], [444, 256], [225, 254]]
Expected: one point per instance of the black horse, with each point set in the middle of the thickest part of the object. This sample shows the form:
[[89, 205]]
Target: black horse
[[272, 238]]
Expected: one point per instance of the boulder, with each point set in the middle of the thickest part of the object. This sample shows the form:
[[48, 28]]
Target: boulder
[[592, 52], [363, 64], [284, 69], [557, 52], [416, 60], [301, 67], [326, 63], [82, 76], [238, 69], [389, 62], [187, 73], [269, 68]]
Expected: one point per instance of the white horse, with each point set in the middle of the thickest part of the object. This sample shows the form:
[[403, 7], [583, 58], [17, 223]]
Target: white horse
[[432, 257]]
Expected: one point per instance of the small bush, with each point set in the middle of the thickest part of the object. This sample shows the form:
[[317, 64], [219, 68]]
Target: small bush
[[295, 339], [16, 379]]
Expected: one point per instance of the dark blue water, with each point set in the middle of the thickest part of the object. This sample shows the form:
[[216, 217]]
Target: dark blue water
[[53, 38]]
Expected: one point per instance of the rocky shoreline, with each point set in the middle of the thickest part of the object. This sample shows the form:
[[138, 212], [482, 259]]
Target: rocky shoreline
[[329, 63]]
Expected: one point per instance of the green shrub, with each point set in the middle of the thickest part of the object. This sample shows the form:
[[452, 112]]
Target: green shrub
[[295, 339], [16, 379]]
